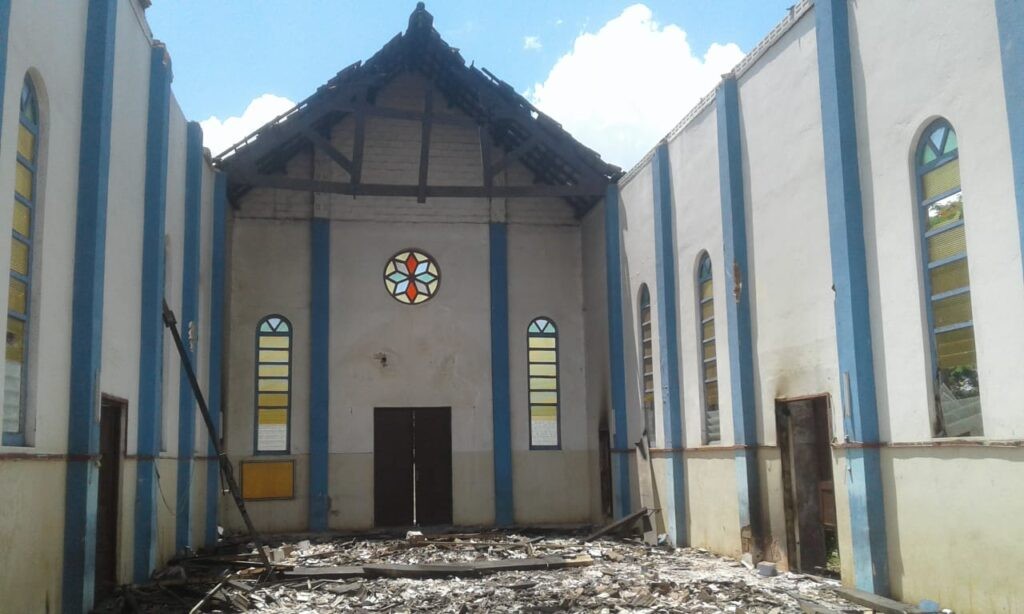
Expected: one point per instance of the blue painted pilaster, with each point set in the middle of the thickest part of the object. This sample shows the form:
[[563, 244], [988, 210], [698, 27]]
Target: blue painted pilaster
[[1010, 15], [741, 347], [320, 372], [151, 332], [850, 280], [189, 323], [216, 345], [616, 358], [674, 512], [5, 26], [87, 308], [501, 405]]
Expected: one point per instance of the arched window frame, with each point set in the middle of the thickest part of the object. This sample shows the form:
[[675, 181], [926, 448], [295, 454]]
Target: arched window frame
[[541, 337], [707, 354], [938, 148], [265, 377], [645, 328], [24, 215]]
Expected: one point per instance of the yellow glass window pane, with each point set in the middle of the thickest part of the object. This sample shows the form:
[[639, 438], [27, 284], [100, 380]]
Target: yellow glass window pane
[[709, 350], [19, 257], [269, 399], [273, 371], [17, 298], [711, 394], [543, 412], [950, 276], [648, 364], [708, 330], [543, 383], [15, 340], [543, 342], [274, 356], [942, 179], [706, 290], [543, 356], [273, 416], [711, 370], [22, 219], [956, 349], [26, 144], [543, 398], [262, 480], [707, 310], [547, 370], [23, 181], [274, 341], [946, 211], [273, 385], [952, 310], [946, 244]]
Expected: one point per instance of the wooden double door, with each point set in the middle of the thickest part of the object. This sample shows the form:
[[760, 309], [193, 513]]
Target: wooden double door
[[412, 466]]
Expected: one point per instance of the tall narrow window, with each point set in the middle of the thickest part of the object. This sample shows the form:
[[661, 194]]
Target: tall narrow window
[[20, 285], [542, 342], [273, 385], [647, 362], [708, 352], [947, 284]]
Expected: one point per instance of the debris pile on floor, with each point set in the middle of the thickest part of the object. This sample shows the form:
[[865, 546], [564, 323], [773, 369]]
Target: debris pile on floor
[[482, 572]]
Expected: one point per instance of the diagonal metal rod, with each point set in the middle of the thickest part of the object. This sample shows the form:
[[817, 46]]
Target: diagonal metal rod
[[225, 465]]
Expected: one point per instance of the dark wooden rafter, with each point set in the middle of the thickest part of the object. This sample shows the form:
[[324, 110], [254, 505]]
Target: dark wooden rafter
[[561, 167]]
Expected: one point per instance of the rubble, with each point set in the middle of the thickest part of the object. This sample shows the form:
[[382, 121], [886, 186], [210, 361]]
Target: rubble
[[610, 575]]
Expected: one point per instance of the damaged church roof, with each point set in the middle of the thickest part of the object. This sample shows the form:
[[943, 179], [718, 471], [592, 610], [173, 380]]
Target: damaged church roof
[[561, 166]]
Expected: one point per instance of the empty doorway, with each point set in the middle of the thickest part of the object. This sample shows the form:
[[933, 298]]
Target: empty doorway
[[112, 412], [804, 434], [412, 466]]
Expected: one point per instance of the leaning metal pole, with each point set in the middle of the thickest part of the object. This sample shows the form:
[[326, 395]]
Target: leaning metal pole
[[225, 465]]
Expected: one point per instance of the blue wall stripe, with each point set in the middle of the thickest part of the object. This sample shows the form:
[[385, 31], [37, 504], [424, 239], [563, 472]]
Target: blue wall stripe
[[217, 290], [1010, 15], [616, 358], [500, 402], [740, 338], [87, 307], [189, 316], [151, 332], [850, 279], [5, 26], [320, 372], [668, 344]]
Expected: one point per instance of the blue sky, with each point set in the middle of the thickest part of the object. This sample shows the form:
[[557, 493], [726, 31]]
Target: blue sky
[[227, 53]]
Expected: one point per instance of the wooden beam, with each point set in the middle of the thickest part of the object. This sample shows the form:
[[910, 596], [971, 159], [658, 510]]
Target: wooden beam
[[486, 149], [325, 146], [428, 110], [282, 182], [404, 114], [358, 145], [512, 156]]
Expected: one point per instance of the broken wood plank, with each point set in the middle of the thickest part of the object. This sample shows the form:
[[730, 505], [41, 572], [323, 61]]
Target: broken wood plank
[[618, 524], [340, 573], [440, 570], [645, 472], [877, 603]]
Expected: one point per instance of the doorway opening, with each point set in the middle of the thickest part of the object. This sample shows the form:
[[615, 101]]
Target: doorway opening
[[412, 466], [112, 412], [804, 433]]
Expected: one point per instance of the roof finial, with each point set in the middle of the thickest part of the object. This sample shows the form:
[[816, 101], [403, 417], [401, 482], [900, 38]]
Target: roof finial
[[420, 18]]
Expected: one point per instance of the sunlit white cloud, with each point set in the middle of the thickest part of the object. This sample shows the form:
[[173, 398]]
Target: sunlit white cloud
[[219, 135], [625, 86], [532, 43]]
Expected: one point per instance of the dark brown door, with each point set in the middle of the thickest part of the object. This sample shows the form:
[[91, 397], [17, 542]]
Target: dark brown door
[[804, 439], [412, 467], [433, 465], [392, 467], [108, 497]]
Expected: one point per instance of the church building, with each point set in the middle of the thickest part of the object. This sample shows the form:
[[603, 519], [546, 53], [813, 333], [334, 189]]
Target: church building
[[793, 329]]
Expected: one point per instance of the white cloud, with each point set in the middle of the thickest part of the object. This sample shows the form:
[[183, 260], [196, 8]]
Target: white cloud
[[624, 87], [219, 135], [532, 43]]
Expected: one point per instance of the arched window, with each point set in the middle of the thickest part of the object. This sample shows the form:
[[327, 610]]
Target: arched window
[[542, 344], [20, 285], [647, 362], [947, 284], [708, 352], [273, 385]]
